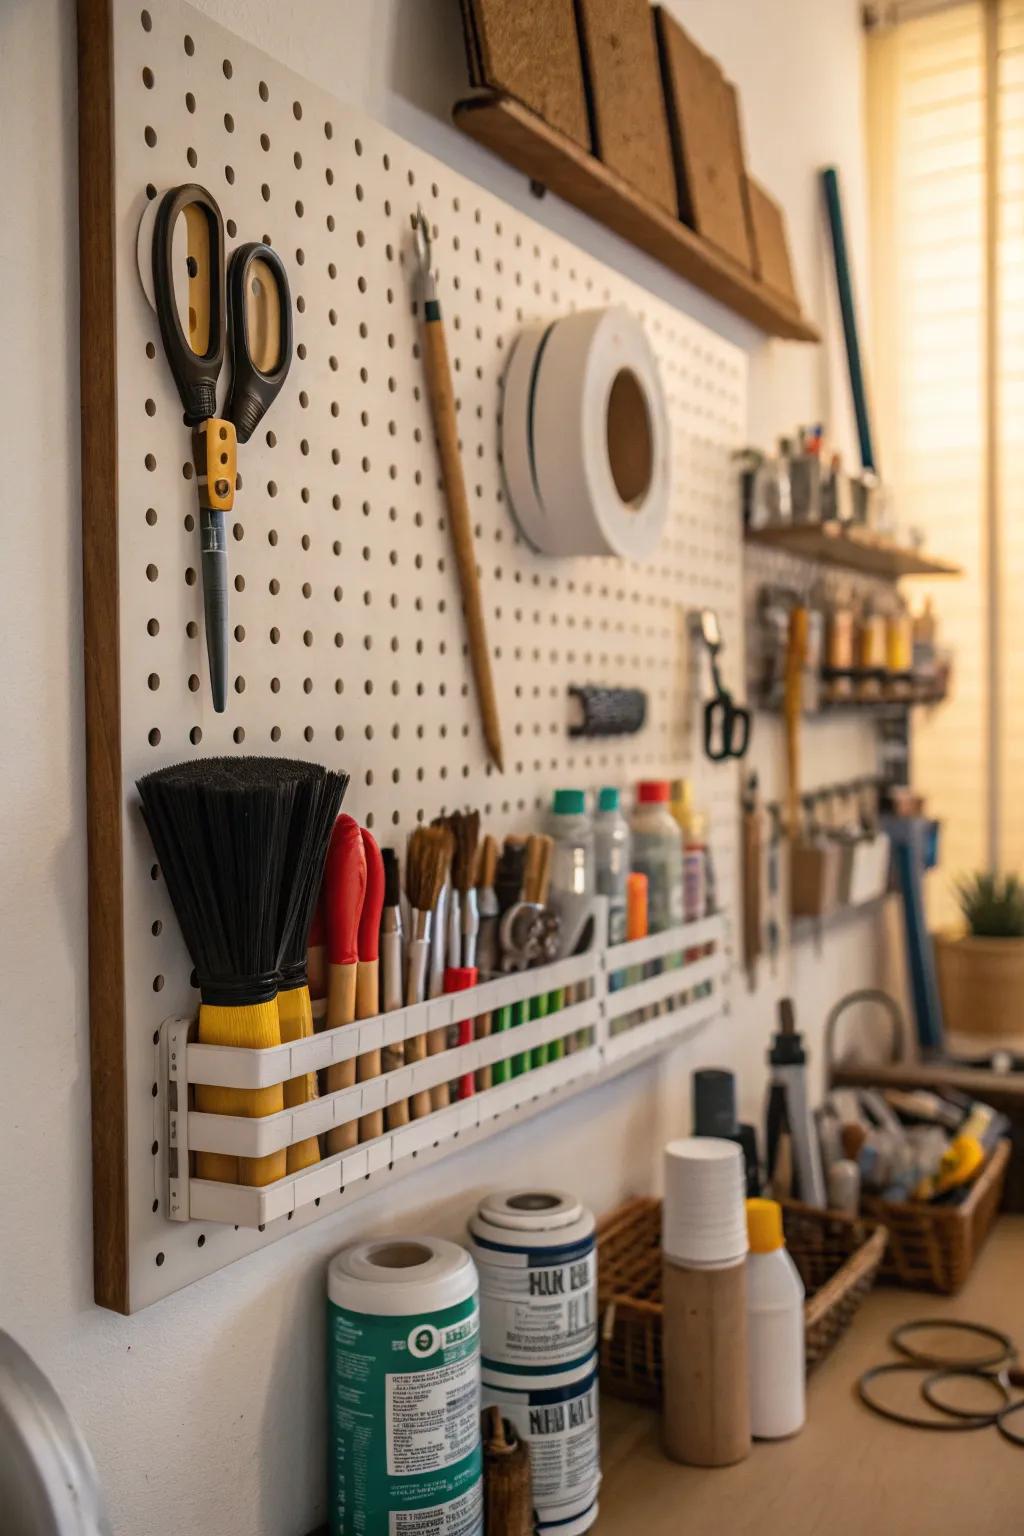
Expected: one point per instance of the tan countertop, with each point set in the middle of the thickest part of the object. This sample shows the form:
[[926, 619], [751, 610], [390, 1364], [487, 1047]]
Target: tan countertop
[[849, 1471]]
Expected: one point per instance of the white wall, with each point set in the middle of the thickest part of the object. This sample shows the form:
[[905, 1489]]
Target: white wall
[[205, 1413]]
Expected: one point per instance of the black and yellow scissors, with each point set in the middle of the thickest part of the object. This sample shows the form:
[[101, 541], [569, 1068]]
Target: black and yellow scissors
[[249, 301]]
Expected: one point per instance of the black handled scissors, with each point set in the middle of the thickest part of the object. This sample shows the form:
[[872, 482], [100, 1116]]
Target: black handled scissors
[[726, 724], [253, 291]]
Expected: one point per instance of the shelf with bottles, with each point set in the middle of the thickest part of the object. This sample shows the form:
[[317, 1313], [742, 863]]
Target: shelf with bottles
[[801, 502], [870, 656]]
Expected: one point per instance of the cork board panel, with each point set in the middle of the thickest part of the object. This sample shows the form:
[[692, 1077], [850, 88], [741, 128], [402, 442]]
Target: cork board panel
[[772, 260], [628, 121], [705, 142], [530, 49]]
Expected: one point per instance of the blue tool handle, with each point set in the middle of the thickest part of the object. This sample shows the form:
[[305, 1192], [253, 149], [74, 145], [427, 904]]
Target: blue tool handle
[[213, 533]]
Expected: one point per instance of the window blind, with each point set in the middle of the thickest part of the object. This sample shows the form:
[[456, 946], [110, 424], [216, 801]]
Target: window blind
[[946, 155]]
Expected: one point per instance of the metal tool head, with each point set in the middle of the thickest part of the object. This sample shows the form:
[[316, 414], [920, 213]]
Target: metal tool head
[[421, 229]]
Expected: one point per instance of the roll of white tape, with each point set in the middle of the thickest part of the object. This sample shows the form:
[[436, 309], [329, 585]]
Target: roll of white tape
[[584, 434]]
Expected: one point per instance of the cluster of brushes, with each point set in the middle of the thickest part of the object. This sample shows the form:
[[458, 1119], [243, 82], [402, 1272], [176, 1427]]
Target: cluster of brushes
[[241, 843], [295, 921]]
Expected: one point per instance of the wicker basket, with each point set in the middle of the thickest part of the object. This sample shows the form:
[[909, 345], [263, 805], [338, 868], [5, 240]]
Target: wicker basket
[[932, 1247], [837, 1256]]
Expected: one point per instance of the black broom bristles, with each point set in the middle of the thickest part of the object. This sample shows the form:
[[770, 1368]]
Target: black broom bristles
[[318, 802], [238, 855]]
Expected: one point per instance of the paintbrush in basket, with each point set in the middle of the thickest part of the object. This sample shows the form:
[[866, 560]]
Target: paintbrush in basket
[[392, 973], [463, 928], [368, 975], [344, 890], [487, 940], [429, 858]]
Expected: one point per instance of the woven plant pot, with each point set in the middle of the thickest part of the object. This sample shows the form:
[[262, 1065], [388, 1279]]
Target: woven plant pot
[[982, 984]]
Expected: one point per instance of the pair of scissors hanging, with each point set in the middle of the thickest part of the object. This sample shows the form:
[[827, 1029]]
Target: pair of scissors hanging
[[249, 302], [726, 723]]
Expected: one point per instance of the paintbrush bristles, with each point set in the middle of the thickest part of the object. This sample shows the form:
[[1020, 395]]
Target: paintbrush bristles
[[465, 829], [427, 866]]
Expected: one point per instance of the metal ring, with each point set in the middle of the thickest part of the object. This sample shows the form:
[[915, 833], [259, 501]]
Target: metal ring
[[922, 1357], [928, 1393], [948, 1425], [1001, 1419]]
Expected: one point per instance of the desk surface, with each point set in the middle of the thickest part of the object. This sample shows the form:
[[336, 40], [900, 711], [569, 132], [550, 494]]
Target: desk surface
[[849, 1473]]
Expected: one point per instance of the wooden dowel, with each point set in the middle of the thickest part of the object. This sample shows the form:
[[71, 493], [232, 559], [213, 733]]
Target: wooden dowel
[[442, 401]]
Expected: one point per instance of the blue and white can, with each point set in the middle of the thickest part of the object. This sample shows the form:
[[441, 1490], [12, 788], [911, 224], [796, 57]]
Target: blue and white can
[[535, 1254]]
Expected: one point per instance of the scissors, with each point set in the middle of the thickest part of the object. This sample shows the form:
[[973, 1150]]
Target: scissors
[[250, 301], [726, 724]]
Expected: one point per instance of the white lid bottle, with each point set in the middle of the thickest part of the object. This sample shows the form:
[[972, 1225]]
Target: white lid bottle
[[775, 1327]]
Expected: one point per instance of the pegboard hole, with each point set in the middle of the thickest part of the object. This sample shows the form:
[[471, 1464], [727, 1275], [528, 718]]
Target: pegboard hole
[[158, 983], [154, 737], [153, 627], [147, 21], [227, 68], [148, 79], [150, 136], [189, 45], [264, 90], [195, 735]]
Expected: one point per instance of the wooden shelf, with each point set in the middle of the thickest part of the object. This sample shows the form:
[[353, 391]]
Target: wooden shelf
[[859, 549], [517, 135]]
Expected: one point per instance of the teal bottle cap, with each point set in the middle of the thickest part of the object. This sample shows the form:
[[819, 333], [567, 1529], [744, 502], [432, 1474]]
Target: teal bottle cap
[[569, 802], [608, 800]]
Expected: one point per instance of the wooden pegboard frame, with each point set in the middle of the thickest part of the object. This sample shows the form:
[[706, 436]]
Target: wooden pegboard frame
[[345, 594]]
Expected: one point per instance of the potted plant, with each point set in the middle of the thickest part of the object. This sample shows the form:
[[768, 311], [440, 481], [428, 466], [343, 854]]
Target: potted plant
[[981, 973]]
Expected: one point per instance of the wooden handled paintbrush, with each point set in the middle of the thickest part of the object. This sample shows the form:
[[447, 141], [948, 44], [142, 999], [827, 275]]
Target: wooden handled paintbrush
[[344, 890], [368, 975], [427, 865]]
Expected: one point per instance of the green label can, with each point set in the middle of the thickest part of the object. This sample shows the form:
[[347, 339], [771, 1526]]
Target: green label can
[[404, 1394]]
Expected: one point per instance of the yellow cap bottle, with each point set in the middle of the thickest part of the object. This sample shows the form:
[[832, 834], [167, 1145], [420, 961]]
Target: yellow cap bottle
[[764, 1226]]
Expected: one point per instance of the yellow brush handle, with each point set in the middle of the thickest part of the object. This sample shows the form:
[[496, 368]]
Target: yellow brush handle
[[256, 1026], [442, 402], [368, 1065], [341, 1010], [296, 1020]]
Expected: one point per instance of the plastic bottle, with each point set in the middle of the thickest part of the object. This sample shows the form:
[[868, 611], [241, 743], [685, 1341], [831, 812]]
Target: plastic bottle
[[658, 854], [572, 857], [612, 852], [775, 1327]]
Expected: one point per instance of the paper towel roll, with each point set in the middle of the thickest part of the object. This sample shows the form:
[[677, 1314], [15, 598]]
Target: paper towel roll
[[403, 1388], [585, 437]]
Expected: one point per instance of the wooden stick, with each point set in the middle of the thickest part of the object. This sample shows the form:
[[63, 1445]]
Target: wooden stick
[[508, 1488], [796, 653], [442, 403], [341, 1009]]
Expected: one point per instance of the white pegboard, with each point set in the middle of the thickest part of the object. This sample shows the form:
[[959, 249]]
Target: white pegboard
[[348, 641]]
